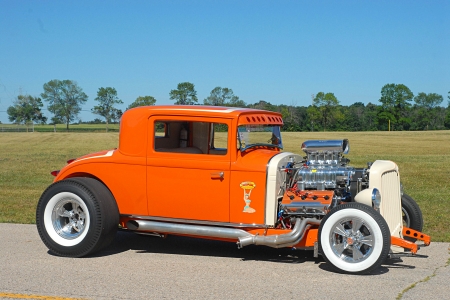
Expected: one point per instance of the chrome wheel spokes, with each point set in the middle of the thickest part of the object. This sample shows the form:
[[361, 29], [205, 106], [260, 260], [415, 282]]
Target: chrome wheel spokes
[[351, 239], [68, 218]]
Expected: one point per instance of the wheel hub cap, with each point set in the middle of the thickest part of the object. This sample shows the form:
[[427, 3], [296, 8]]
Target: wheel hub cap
[[68, 218], [349, 241], [352, 239]]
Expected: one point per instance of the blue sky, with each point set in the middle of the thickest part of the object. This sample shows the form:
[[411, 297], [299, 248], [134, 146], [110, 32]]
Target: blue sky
[[278, 51]]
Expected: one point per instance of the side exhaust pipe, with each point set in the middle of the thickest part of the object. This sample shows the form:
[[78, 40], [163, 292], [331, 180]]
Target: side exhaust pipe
[[187, 229], [244, 238], [280, 240]]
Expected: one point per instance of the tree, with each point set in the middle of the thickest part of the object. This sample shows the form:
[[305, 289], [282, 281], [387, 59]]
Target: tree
[[236, 102], [428, 101], [427, 109], [26, 109], [447, 116], [185, 94], [371, 116], [325, 108], [223, 97], [54, 121], [302, 118], [116, 114], [314, 117], [354, 117], [142, 101], [107, 98], [395, 100], [65, 98], [263, 105], [290, 117]]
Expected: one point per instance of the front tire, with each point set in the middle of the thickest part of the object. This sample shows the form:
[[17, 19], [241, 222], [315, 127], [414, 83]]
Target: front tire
[[411, 215], [354, 238], [77, 217]]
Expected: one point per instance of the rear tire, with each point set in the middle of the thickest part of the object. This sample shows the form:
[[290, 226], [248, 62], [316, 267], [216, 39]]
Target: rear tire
[[77, 217], [354, 238]]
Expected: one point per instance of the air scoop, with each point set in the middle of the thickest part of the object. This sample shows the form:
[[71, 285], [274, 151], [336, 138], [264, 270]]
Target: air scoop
[[325, 152], [341, 146]]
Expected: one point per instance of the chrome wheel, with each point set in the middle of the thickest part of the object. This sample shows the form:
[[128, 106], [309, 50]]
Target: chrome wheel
[[66, 218], [69, 218], [351, 240]]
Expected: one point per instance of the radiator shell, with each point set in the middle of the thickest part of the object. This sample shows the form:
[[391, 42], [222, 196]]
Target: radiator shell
[[385, 177]]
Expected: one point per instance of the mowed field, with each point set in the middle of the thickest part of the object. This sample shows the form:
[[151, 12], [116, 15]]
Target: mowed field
[[26, 160], [58, 128]]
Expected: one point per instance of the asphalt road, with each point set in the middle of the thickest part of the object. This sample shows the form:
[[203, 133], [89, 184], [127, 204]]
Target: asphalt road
[[143, 267]]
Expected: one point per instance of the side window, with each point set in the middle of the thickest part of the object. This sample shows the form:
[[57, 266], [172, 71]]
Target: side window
[[161, 130], [219, 139], [172, 136], [190, 137]]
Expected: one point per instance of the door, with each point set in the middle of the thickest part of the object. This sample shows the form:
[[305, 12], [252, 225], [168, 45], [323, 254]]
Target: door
[[188, 174]]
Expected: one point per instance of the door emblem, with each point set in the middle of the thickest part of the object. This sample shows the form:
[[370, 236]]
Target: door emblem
[[248, 186]]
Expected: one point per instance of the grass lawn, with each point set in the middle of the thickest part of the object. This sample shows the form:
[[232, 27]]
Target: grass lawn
[[26, 160], [58, 128]]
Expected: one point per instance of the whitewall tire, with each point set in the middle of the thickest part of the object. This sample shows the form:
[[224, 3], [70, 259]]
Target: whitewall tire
[[77, 217], [354, 238]]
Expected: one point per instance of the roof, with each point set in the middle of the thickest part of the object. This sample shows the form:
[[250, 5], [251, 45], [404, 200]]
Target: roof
[[133, 125], [198, 110]]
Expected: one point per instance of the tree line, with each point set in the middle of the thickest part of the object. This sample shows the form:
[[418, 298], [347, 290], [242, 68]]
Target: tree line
[[398, 108]]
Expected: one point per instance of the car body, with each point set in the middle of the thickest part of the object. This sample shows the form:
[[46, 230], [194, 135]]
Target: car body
[[220, 173]]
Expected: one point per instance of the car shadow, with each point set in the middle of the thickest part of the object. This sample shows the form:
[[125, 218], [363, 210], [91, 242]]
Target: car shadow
[[142, 244], [388, 264], [128, 241]]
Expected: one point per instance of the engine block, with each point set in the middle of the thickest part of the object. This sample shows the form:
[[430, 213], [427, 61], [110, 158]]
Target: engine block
[[323, 177], [325, 167], [322, 180]]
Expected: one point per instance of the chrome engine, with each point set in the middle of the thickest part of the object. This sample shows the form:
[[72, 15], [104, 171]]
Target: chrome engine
[[321, 181], [324, 180], [325, 167]]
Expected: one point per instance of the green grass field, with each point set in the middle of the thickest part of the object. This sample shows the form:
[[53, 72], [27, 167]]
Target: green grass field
[[58, 128], [26, 160]]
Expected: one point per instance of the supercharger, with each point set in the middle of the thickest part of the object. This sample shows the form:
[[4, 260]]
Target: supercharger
[[323, 179]]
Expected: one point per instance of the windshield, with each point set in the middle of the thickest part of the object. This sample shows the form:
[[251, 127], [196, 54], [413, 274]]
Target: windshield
[[259, 135]]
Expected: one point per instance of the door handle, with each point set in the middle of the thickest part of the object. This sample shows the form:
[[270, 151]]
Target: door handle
[[217, 175]]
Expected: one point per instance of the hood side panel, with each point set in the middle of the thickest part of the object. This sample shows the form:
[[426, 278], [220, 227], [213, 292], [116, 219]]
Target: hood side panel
[[275, 179]]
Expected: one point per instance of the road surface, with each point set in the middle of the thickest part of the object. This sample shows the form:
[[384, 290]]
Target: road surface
[[145, 267]]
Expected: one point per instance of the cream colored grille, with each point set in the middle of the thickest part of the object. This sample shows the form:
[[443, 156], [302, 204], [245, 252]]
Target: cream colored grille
[[391, 207]]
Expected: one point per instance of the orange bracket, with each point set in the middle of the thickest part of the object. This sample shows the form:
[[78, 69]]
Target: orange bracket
[[404, 244], [417, 235]]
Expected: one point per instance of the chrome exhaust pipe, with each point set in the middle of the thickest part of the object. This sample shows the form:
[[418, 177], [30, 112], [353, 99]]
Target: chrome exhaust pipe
[[244, 238], [187, 229], [280, 240]]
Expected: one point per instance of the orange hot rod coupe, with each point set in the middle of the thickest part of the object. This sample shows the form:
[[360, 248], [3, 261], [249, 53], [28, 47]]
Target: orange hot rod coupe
[[219, 173]]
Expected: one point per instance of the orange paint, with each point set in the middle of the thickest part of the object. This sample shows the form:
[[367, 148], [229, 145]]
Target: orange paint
[[417, 235], [404, 244], [170, 164]]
